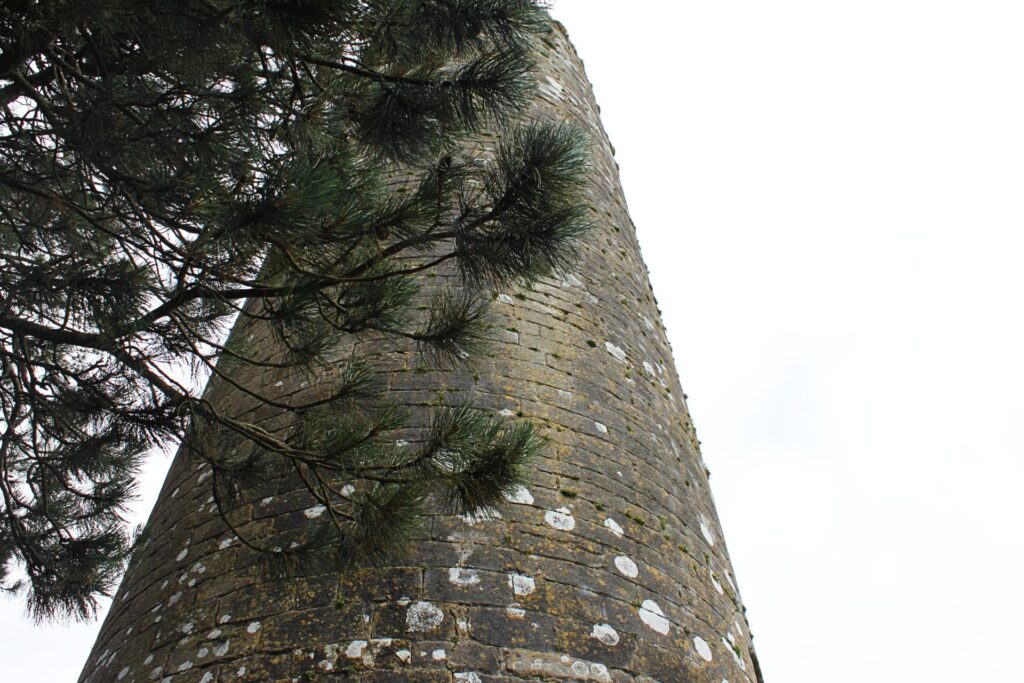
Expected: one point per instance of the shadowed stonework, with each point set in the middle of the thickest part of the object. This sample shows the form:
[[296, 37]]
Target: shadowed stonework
[[610, 567]]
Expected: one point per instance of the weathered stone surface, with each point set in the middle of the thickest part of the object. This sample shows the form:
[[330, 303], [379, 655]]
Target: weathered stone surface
[[547, 665], [610, 567]]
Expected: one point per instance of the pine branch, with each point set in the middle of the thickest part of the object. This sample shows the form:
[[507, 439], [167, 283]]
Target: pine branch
[[303, 168]]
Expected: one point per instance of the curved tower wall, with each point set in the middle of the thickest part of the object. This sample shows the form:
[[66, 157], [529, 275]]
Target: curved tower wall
[[611, 566]]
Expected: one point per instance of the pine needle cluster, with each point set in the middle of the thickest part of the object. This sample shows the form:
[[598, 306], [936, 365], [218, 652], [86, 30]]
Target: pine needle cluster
[[171, 168]]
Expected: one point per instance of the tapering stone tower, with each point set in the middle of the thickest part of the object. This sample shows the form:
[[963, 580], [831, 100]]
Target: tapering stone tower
[[611, 566]]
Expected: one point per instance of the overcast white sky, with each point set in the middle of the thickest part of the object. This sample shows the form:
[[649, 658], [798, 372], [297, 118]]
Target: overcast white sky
[[830, 198]]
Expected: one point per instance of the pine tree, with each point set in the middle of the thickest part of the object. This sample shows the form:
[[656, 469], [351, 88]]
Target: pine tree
[[168, 168]]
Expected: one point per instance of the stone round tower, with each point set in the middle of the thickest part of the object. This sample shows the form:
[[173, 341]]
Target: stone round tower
[[610, 566]]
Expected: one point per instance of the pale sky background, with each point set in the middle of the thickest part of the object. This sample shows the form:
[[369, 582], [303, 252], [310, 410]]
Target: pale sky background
[[830, 198]]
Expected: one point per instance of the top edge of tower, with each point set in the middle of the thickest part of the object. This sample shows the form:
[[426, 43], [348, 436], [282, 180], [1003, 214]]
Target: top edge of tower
[[559, 27]]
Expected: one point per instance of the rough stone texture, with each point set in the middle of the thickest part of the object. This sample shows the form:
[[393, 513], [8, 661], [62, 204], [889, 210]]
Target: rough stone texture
[[610, 568]]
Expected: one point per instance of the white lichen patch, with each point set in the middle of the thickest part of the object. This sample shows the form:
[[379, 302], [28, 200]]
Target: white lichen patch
[[123, 672], [653, 617], [616, 352], [404, 655], [613, 526], [226, 542], [520, 496], [253, 627], [462, 577], [627, 567], [731, 647], [187, 628], [315, 511], [355, 649], [207, 677], [439, 655], [521, 584], [331, 653], [221, 649], [506, 413], [480, 516], [468, 677], [182, 555], [347, 490], [515, 611], [648, 368], [705, 531], [562, 393], [174, 599], [703, 649], [600, 427], [225, 618], [560, 519], [715, 583], [590, 671], [551, 87], [605, 634], [423, 616], [185, 666], [550, 665], [572, 280]]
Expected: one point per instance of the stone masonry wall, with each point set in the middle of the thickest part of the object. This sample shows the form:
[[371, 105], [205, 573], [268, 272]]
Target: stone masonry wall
[[610, 566]]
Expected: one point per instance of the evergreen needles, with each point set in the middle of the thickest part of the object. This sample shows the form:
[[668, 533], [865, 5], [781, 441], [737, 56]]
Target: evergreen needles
[[299, 171]]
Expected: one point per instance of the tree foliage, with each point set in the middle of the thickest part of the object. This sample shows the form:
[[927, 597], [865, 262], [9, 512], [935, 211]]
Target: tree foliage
[[168, 167]]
